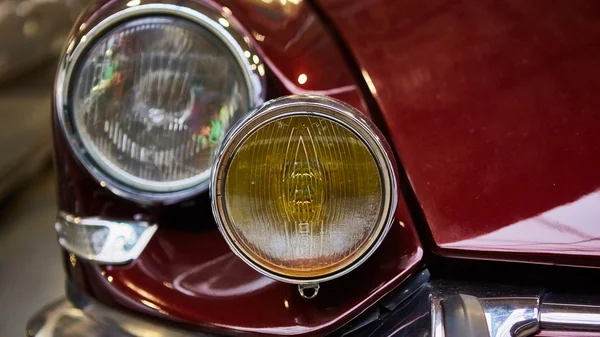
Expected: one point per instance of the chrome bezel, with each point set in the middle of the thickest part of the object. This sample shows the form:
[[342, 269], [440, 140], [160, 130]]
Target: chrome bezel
[[324, 107], [111, 253], [104, 19]]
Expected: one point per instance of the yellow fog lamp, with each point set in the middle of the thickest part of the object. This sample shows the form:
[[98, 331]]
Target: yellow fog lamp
[[304, 189]]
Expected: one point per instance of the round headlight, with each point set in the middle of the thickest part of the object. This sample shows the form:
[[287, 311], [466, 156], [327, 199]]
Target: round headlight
[[303, 189], [150, 99]]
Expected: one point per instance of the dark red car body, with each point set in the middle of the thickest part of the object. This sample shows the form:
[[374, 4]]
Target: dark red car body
[[492, 109]]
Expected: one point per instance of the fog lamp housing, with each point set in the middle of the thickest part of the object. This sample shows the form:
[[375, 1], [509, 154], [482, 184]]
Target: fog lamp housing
[[304, 189]]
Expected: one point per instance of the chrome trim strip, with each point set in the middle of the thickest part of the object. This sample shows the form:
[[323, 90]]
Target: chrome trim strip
[[562, 312], [509, 311], [515, 317], [309, 106], [103, 241], [519, 311], [113, 13], [437, 322]]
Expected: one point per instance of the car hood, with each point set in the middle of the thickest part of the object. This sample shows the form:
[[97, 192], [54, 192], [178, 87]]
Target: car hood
[[493, 108]]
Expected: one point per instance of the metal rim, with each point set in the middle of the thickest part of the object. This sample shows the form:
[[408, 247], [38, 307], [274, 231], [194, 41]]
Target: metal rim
[[313, 106], [232, 36], [143, 232]]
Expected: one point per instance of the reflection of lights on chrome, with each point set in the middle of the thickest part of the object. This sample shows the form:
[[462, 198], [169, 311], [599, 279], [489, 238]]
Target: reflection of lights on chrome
[[71, 46], [369, 82], [82, 26], [258, 37], [103, 184], [302, 78], [255, 59], [246, 39], [109, 54], [110, 279], [226, 10], [84, 38], [133, 3], [267, 1], [247, 54], [253, 67], [224, 22], [286, 303], [261, 70]]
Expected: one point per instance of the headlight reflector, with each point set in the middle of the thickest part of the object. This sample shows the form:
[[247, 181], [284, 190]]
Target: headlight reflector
[[152, 100], [303, 189]]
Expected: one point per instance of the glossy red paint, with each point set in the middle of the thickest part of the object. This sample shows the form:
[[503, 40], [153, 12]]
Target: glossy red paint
[[187, 274], [293, 41], [194, 278], [493, 108]]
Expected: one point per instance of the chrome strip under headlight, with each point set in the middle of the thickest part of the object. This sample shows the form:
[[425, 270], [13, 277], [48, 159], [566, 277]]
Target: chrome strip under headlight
[[103, 241]]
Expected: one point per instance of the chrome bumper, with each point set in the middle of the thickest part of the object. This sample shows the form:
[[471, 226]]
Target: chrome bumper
[[441, 308], [419, 308]]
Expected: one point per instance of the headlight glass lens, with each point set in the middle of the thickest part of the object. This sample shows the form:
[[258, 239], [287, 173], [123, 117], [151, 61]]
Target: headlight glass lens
[[303, 196], [153, 99]]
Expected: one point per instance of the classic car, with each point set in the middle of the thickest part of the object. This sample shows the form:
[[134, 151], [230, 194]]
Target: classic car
[[328, 167]]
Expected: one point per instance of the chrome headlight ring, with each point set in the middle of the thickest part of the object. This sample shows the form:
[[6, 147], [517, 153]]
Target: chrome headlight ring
[[322, 107], [216, 21]]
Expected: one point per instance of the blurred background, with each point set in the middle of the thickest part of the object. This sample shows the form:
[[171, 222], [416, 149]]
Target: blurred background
[[32, 33]]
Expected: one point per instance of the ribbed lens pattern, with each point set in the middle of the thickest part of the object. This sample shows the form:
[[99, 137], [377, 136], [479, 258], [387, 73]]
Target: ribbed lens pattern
[[303, 196], [153, 100]]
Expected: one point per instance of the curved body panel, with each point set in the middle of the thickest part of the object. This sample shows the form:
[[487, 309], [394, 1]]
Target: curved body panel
[[493, 109]]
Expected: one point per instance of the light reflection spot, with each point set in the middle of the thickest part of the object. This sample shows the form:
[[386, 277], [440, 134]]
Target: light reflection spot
[[302, 78]]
